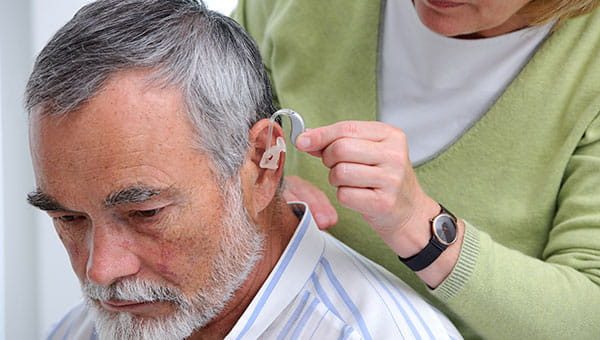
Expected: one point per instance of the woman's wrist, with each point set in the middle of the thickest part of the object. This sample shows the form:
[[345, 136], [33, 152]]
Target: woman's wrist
[[441, 268], [417, 233]]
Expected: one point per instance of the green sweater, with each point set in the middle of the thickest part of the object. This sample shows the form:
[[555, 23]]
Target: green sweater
[[525, 177]]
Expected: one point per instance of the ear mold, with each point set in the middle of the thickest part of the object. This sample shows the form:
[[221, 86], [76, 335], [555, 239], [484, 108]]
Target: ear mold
[[270, 158]]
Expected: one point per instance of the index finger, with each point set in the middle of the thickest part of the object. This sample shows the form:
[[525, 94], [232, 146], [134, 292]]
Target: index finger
[[315, 140]]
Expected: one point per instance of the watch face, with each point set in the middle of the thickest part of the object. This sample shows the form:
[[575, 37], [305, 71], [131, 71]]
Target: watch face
[[444, 228]]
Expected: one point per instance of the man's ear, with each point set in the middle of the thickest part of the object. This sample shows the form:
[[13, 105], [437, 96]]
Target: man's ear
[[261, 183]]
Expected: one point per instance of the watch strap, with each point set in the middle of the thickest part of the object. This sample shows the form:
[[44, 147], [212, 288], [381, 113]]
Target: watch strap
[[426, 256], [432, 250], [446, 211]]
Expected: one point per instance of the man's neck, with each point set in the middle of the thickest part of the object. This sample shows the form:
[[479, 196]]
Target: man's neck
[[278, 224]]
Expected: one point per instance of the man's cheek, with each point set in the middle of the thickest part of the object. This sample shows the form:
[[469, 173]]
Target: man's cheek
[[78, 257], [75, 245], [187, 262], [166, 272]]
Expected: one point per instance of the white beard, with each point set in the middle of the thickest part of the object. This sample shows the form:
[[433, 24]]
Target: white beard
[[240, 249]]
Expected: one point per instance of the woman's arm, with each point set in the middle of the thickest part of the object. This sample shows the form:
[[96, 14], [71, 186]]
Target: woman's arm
[[490, 286]]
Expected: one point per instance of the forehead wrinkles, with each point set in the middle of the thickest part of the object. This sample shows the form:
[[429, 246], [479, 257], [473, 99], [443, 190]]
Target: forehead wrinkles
[[128, 102], [128, 134], [123, 121]]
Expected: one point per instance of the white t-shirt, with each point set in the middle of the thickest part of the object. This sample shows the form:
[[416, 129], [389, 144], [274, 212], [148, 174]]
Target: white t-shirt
[[434, 87]]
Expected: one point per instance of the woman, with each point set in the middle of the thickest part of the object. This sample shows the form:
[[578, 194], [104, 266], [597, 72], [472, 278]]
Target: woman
[[498, 103]]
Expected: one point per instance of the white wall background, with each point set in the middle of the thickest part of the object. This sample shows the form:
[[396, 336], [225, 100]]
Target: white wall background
[[20, 276], [1, 214], [37, 285]]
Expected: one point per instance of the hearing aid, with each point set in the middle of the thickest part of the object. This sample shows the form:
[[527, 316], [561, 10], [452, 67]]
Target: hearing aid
[[270, 158]]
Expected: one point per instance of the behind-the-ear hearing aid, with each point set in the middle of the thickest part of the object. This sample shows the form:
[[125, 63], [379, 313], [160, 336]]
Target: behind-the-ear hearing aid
[[270, 158]]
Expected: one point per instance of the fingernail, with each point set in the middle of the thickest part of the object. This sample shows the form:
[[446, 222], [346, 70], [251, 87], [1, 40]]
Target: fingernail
[[302, 142], [331, 219], [321, 219]]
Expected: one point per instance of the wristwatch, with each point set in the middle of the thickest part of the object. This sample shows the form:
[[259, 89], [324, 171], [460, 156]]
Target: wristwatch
[[443, 228]]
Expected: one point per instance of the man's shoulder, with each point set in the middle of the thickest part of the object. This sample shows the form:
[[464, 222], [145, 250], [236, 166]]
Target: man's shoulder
[[372, 301], [309, 317], [321, 289], [348, 265], [77, 324]]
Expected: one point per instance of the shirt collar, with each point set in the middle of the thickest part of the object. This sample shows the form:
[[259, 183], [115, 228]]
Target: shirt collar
[[294, 268]]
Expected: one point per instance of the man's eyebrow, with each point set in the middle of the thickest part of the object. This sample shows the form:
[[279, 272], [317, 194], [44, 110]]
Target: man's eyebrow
[[132, 194], [44, 201]]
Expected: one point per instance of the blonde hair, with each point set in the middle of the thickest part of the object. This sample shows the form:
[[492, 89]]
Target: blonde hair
[[539, 12]]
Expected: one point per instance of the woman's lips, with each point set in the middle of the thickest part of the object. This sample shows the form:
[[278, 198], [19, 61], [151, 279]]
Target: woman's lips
[[444, 4]]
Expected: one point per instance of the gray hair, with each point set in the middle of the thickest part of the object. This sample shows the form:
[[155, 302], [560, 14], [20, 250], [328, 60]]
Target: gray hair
[[207, 55]]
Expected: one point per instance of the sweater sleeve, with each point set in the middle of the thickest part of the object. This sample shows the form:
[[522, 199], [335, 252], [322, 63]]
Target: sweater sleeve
[[560, 296]]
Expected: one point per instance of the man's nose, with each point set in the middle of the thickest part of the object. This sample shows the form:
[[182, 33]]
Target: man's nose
[[110, 255]]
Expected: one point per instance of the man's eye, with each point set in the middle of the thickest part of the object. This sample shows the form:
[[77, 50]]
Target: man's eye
[[69, 218], [147, 213]]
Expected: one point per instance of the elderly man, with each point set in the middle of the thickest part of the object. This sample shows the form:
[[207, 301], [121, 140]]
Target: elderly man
[[147, 129]]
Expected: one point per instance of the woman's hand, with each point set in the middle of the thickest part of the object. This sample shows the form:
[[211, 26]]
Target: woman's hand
[[297, 189], [370, 167]]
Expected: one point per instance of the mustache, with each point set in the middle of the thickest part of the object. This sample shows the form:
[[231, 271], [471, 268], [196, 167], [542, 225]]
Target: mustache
[[135, 290]]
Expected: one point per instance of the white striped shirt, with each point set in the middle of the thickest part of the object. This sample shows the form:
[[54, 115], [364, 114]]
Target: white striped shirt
[[320, 289]]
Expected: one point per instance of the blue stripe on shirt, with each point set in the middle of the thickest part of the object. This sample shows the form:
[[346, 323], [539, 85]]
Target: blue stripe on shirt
[[276, 277], [292, 319], [396, 302], [346, 298], [304, 319], [410, 305], [60, 323], [383, 300], [346, 331], [94, 334], [323, 296], [68, 332]]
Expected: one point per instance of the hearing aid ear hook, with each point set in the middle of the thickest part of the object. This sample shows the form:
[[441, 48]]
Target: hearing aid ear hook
[[270, 158]]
